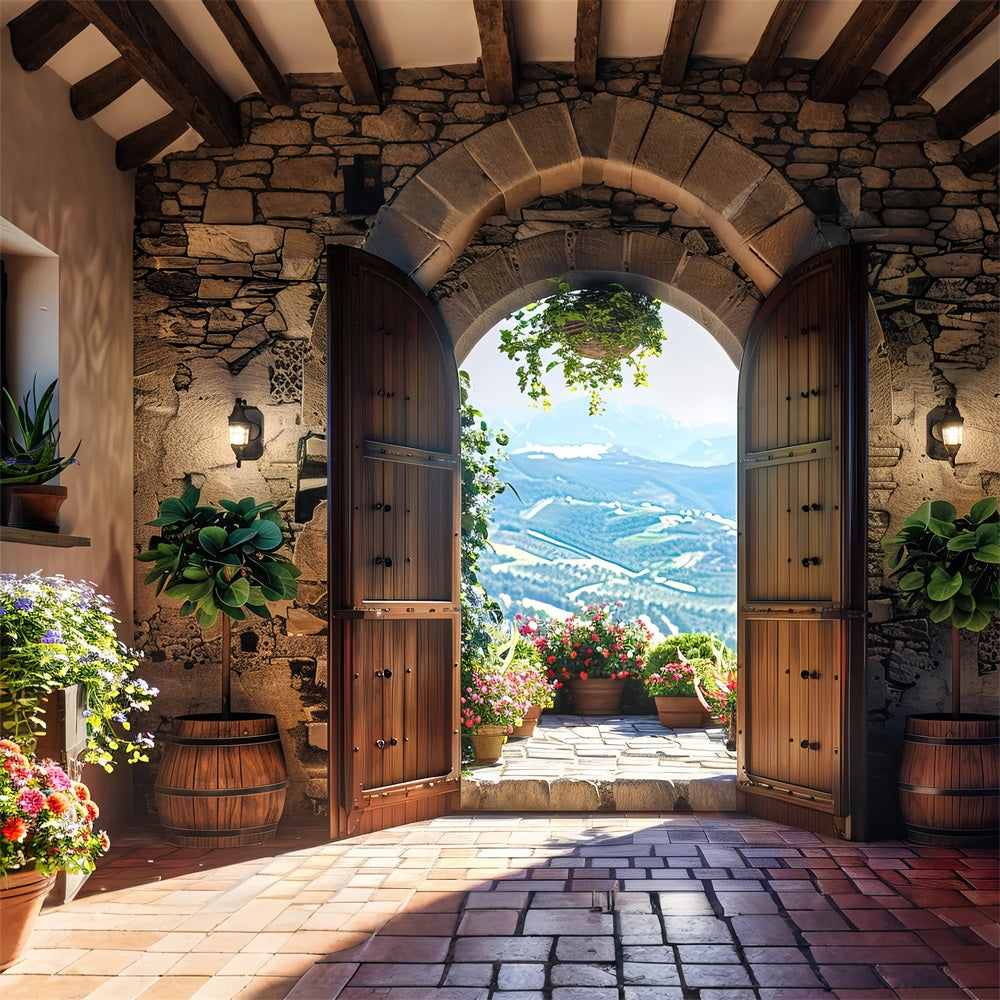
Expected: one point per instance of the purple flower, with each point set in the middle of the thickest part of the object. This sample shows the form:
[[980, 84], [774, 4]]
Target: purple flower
[[52, 635], [23, 604]]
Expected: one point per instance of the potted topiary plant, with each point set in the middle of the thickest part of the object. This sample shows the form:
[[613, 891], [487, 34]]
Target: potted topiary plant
[[594, 334], [949, 568], [221, 781], [30, 459]]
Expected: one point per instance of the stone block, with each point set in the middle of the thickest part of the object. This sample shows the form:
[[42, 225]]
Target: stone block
[[655, 256], [491, 280], [599, 250], [395, 238], [300, 254], [886, 234], [283, 132], [547, 135], [194, 171], [292, 205], [952, 265], [239, 244], [818, 116], [297, 303], [770, 200], [301, 622], [460, 182], [307, 173], [711, 284], [646, 795], [218, 288], [541, 257], [503, 159], [228, 206], [575, 795], [318, 735], [396, 125], [669, 147], [789, 241], [631, 119], [716, 794], [593, 124]]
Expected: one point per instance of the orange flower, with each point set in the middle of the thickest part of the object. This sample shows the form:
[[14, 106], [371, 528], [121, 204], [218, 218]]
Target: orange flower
[[81, 791], [59, 802], [15, 829], [583, 675], [92, 811]]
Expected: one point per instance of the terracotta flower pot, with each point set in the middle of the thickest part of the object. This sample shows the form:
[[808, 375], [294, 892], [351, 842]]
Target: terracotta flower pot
[[488, 742], [21, 896], [34, 507], [681, 712], [527, 727], [597, 695]]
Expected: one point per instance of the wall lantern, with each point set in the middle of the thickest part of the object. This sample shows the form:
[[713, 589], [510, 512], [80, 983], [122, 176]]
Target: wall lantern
[[246, 427], [944, 431]]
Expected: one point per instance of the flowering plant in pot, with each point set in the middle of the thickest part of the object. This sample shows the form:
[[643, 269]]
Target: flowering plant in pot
[[221, 561], [46, 826], [948, 566], [29, 458], [598, 647], [55, 634], [593, 334], [490, 709]]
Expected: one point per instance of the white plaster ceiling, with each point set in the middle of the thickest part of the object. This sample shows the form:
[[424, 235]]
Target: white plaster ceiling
[[415, 33]]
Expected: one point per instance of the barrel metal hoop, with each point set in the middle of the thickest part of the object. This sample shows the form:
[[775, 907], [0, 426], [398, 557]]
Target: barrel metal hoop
[[950, 792], [948, 741], [936, 831], [247, 831], [219, 741], [219, 792]]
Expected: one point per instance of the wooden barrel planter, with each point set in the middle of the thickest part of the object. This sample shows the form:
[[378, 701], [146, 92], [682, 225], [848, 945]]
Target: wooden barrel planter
[[221, 782], [949, 780]]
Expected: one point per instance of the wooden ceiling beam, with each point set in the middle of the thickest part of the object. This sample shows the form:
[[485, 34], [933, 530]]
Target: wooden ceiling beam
[[496, 36], [970, 106], [354, 53], [139, 32], [144, 143], [39, 32], [846, 63], [251, 52], [944, 41], [95, 92], [760, 66], [588, 32], [680, 40], [983, 158]]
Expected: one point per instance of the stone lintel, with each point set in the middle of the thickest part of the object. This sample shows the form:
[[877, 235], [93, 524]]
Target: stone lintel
[[725, 174], [398, 240], [792, 239], [772, 199], [669, 147], [503, 159], [631, 119]]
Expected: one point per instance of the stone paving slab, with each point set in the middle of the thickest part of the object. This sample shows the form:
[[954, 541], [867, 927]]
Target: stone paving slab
[[628, 763], [551, 907]]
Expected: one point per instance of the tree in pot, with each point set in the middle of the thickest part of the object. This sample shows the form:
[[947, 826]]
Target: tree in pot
[[221, 780], [30, 459], [949, 568], [594, 334]]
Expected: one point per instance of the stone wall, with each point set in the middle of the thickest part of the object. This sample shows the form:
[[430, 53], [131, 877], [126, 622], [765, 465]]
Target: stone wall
[[229, 290]]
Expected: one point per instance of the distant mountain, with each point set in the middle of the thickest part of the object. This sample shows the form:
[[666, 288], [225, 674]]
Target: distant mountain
[[644, 431]]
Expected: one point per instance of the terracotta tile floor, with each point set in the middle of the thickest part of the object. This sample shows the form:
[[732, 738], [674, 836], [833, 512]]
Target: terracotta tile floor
[[541, 907]]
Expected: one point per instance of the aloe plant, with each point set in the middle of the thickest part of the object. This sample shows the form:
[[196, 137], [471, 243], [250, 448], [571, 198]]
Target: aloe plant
[[30, 440], [220, 560]]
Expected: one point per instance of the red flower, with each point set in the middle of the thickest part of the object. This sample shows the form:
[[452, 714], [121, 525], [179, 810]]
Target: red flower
[[81, 791], [583, 675], [15, 829]]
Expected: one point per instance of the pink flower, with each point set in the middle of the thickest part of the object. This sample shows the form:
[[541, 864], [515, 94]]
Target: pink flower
[[31, 801]]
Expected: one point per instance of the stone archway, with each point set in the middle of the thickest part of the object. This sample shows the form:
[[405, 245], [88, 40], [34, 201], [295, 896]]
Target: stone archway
[[624, 143]]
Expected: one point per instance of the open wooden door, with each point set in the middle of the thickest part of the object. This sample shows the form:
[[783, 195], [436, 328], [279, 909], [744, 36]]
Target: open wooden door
[[394, 510], [802, 566]]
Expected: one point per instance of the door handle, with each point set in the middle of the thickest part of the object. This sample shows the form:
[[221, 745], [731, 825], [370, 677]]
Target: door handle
[[385, 674], [808, 561], [806, 745]]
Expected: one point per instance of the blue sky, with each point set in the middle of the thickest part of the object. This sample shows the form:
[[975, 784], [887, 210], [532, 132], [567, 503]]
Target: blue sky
[[694, 380]]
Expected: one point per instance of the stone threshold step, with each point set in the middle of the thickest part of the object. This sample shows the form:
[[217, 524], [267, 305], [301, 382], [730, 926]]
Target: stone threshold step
[[713, 794]]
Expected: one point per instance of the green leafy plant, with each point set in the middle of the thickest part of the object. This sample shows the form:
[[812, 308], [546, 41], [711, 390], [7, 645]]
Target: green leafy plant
[[31, 440], [220, 560], [594, 334], [56, 633], [949, 566]]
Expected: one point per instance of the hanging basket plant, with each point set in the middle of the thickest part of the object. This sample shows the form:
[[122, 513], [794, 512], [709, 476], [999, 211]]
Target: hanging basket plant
[[594, 335]]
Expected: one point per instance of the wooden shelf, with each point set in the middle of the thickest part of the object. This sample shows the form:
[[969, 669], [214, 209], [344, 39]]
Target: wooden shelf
[[50, 538]]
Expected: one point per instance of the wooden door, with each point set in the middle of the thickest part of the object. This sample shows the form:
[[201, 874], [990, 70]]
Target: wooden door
[[803, 518], [394, 509]]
